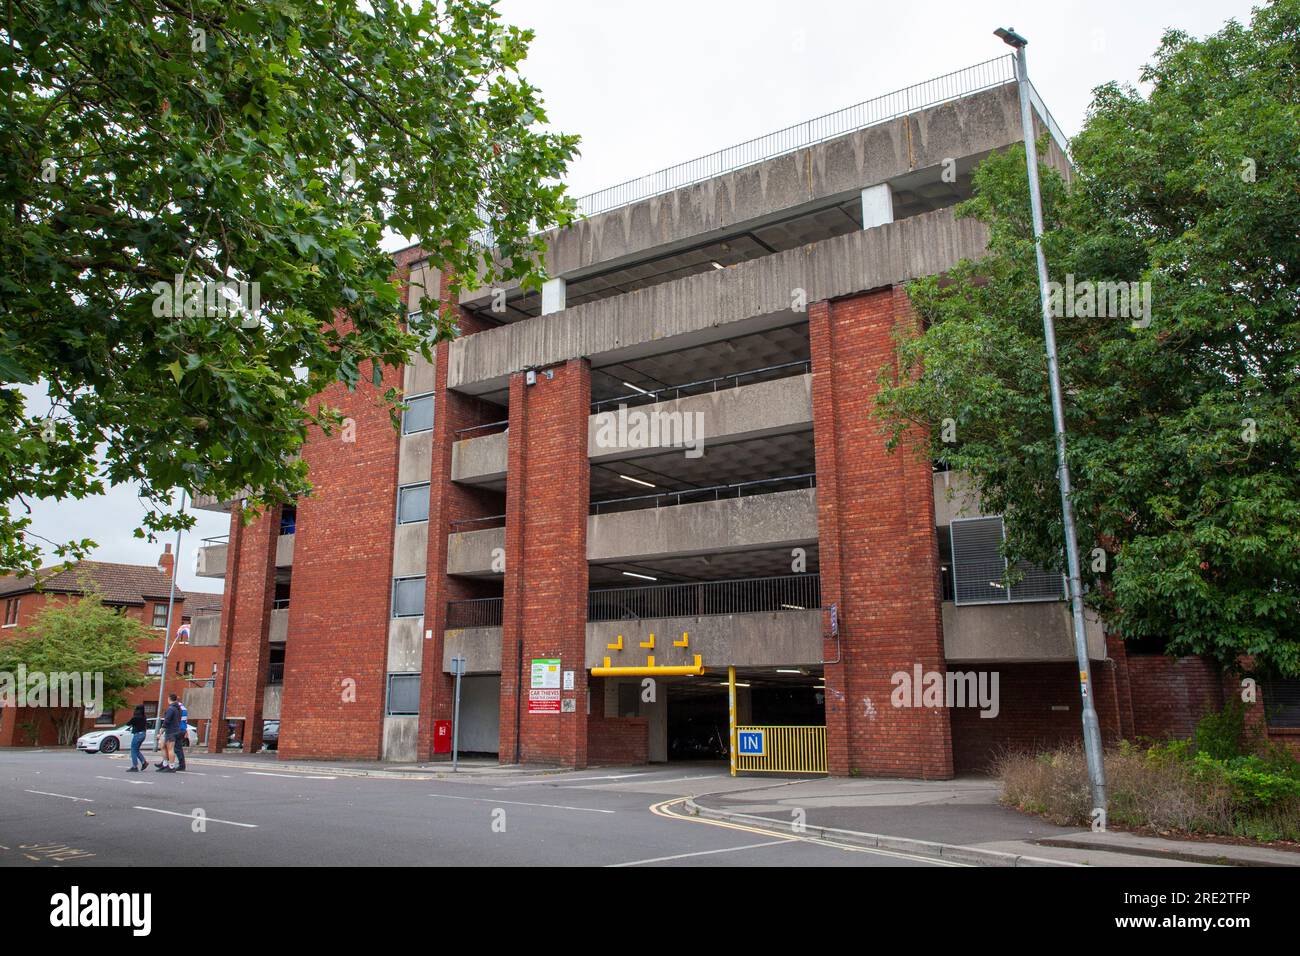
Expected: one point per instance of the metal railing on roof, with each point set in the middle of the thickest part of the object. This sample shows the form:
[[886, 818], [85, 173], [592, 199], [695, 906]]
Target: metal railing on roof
[[787, 592], [880, 109], [733, 380]]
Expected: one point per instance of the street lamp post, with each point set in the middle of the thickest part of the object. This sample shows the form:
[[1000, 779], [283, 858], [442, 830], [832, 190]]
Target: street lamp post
[[167, 635], [1091, 727]]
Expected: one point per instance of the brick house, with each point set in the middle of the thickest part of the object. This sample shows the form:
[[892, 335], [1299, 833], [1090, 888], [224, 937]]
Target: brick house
[[139, 591], [667, 457]]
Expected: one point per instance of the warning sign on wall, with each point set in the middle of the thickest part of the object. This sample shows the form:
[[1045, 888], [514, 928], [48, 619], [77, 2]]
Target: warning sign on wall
[[543, 700], [546, 672]]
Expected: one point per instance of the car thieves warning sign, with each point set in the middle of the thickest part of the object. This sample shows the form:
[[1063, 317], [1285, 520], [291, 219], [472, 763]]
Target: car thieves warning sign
[[544, 688], [543, 700]]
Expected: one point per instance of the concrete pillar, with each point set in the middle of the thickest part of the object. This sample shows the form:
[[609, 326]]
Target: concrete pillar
[[553, 293], [877, 205]]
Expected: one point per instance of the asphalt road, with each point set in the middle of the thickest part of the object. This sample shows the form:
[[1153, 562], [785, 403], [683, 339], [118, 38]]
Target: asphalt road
[[71, 809]]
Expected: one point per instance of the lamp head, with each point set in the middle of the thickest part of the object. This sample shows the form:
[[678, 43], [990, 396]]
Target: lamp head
[[1010, 37]]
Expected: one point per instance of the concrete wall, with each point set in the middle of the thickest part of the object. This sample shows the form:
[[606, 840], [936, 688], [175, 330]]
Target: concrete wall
[[470, 552], [410, 549], [708, 307], [198, 702], [954, 498], [480, 646], [205, 630], [808, 178], [1028, 631], [758, 639], [271, 701], [783, 518], [279, 630], [480, 459], [212, 561], [284, 551], [734, 414], [400, 738], [405, 648]]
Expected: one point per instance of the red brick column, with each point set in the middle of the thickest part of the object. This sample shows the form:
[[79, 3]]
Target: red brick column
[[336, 656], [246, 622], [879, 557], [545, 607]]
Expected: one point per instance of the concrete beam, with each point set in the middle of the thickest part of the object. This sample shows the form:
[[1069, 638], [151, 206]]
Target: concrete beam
[[470, 552], [481, 459], [831, 171], [1017, 632], [718, 304], [954, 498], [734, 414], [480, 646], [781, 519], [756, 639], [212, 561], [205, 629]]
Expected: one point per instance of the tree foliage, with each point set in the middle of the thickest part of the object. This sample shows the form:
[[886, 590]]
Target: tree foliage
[[151, 142], [81, 636], [1184, 432]]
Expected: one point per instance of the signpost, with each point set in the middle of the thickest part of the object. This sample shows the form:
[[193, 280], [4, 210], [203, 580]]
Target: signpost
[[457, 668]]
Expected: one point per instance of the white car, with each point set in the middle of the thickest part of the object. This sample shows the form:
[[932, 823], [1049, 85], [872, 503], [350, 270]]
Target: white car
[[119, 738]]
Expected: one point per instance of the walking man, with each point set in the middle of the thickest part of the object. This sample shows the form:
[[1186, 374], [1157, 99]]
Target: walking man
[[182, 739], [170, 729]]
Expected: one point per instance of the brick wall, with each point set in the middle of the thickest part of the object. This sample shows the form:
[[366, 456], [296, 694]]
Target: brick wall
[[879, 558], [545, 606], [1170, 694], [336, 655], [617, 740], [1038, 709]]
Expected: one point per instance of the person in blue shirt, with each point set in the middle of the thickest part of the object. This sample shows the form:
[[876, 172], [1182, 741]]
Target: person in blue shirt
[[183, 738]]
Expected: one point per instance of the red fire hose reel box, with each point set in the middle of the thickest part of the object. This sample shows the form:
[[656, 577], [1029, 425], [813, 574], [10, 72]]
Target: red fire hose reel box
[[442, 736]]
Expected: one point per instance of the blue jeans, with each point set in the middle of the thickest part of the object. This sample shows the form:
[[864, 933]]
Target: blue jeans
[[136, 758]]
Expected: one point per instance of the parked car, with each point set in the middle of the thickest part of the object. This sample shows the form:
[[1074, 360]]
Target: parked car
[[119, 738], [271, 734]]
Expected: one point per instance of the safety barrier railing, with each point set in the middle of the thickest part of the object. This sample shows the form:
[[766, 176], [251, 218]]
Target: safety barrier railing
[[772, 749], [788, 592], [474, 612]]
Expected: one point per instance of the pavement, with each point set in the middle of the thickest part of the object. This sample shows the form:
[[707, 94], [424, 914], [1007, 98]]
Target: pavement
[[64, 808]]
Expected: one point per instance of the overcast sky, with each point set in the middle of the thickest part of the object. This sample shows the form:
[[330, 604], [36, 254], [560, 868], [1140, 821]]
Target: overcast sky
[[649, 85]]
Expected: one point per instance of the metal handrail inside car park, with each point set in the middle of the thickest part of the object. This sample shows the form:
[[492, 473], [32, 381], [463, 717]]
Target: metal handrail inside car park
[[715, 490], [474, 612], [217, 539], [653, 394], [786, 592], [458, 525], [879, 109], [504, 423]]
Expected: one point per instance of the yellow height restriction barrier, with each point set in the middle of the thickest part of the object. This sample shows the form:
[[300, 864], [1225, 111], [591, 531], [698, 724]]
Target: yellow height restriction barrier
[[781, 749]]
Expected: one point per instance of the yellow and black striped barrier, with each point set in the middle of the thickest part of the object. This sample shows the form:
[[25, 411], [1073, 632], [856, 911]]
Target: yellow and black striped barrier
[[781, 749]]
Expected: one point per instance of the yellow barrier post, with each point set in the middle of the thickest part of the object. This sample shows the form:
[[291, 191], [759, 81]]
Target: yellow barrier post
[[731, 714]]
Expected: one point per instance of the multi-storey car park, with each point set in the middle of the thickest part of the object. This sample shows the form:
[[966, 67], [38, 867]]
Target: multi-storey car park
[[668, 457]]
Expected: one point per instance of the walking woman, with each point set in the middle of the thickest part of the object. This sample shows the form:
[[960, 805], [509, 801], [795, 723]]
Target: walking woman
[[138, 724]]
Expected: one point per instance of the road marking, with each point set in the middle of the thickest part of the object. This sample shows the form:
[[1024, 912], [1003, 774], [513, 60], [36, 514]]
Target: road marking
[[517, 803], [135, 783], [665, 809], [190, 816], [683, 856], [62, 796], [291, 776], [648, 779], [612, 776]]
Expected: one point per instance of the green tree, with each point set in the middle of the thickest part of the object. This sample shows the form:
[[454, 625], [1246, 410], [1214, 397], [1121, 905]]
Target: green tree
[[1184, 431], [76, 637], [152, 142]]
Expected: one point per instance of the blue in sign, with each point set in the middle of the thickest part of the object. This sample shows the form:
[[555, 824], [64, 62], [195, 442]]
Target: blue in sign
[[752, 743]]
